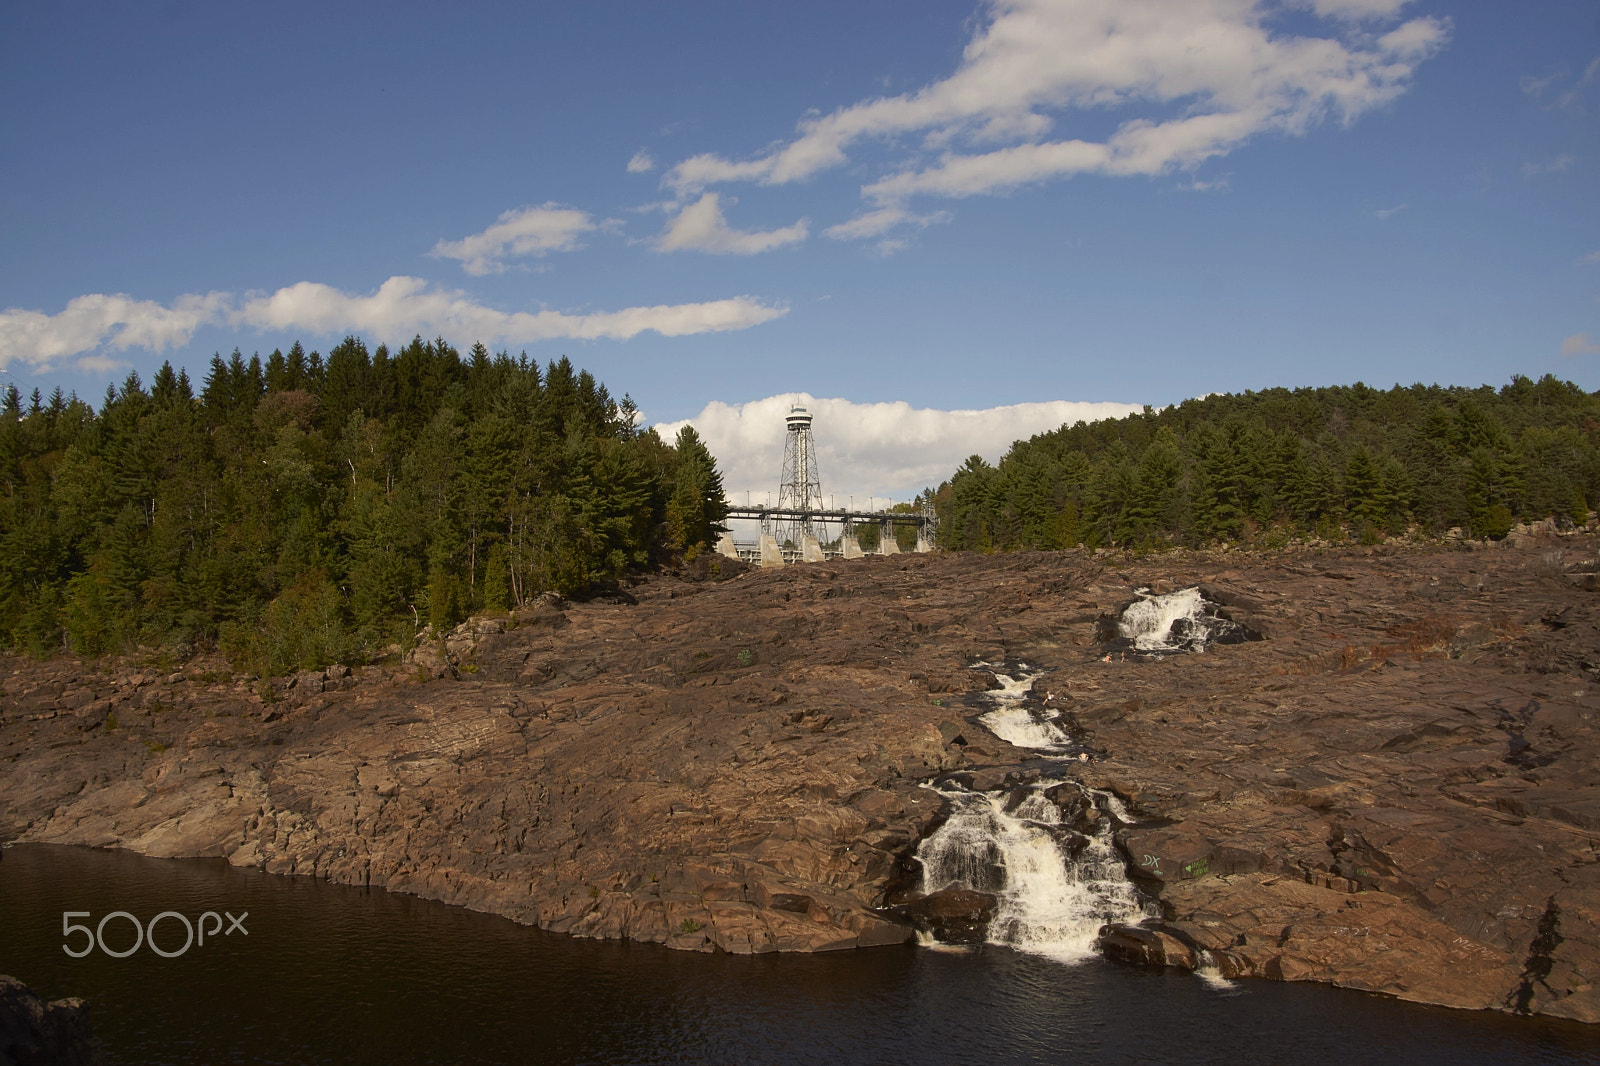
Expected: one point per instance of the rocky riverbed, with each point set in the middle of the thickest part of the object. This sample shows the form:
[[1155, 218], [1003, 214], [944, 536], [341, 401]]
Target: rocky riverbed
[[1395, 789]]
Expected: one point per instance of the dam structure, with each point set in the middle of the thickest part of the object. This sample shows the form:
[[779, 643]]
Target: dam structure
[[801, 529]]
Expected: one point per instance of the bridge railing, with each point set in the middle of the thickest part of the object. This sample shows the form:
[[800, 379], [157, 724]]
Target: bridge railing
[[861, 518]]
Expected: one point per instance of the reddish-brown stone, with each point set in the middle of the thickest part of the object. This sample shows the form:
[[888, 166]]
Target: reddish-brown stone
[[1396, 790]]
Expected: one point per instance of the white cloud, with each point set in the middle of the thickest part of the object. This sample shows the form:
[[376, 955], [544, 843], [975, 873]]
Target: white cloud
[[1579, 344], [881, 220], [701, 227], [1415, 40], [1535, 87], [403, 307], [100, 364], [1590, 259], [1358, 9], [868, 224], [881, 449], [400, 308], [1570, 97], [535, 231], [1390, 212], [641, 163], [96, 320], [1553, 166], [1217, 69]]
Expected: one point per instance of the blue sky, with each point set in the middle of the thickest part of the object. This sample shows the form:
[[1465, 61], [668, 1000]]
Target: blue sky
[[938, 205]]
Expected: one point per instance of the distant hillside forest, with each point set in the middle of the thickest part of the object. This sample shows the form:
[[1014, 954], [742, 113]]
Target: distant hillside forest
[[1265, 467], [302, 511]]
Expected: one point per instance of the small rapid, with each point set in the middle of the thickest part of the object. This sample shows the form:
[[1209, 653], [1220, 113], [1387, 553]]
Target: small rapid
[[1017, 722]]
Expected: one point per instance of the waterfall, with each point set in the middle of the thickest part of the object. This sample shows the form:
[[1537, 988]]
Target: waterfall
[[1054, 874], [1042, 851], [1174, 622]]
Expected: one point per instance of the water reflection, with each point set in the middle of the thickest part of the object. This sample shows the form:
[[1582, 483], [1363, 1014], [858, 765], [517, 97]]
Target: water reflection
[[328, 973]]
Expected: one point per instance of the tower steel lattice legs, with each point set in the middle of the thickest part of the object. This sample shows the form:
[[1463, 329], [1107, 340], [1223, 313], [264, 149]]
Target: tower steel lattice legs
[[800, 488]]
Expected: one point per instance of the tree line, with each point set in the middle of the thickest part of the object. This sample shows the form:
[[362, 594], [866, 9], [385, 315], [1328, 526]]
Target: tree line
[[301, 510], [1266, 467]]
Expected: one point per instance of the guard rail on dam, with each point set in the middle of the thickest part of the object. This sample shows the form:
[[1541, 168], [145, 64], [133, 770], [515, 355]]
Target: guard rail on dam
[[815, 544]]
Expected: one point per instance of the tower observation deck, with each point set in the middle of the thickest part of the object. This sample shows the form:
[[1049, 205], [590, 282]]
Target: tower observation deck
[[800, 485], [801, 528]]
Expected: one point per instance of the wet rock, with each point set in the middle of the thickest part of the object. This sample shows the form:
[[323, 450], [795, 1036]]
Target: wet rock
[[952, 916], [1146, 946], [1078, 811]]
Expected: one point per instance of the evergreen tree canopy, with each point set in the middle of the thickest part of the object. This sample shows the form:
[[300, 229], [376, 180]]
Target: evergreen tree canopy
[[308, 510], [1351, 460]]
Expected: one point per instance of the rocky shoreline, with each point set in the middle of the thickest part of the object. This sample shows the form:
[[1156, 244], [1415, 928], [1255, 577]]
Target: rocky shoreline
[[1395, 790]]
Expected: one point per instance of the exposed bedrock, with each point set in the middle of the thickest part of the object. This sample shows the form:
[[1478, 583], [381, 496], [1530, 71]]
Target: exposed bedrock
[[1394, 790]]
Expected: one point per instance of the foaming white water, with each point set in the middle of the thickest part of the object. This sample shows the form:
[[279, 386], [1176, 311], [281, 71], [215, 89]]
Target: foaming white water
[[1114, 805], [1215, 978], [1148, 621], [927, 940], [1013, 722], [1046, 903], [1176, 621]]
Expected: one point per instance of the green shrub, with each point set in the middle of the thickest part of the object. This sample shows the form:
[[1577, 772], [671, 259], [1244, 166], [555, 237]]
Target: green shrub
[[303, 629]]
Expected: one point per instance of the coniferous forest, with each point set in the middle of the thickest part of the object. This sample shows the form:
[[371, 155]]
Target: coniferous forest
[[1267, 467], [302, 511]]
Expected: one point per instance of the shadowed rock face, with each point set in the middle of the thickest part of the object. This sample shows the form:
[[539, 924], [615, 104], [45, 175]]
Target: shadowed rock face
[[1394, 790], [36, 1033], [953, 915]]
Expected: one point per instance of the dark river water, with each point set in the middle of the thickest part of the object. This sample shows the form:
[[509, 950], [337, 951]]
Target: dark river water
[[324, 973]]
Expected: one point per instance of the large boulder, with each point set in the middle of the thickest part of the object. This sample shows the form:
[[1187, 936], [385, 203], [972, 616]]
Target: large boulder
[[35, 1032], [1147, 946], [1170, 854], [951, 915]]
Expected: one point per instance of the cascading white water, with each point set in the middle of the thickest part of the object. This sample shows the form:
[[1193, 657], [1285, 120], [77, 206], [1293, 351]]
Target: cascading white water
[[1148, 621], [1175, 621], [1055, 884], [1047, 903], [1012, 720]]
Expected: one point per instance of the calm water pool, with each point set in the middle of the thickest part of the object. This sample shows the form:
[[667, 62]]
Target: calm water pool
[[325, 973]]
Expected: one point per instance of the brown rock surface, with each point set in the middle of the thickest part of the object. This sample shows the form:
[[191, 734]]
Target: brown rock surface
[[954, 915], [1396, 790]]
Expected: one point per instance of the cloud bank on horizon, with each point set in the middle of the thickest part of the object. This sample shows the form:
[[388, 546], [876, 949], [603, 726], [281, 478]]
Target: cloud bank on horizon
[[871, 449]]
